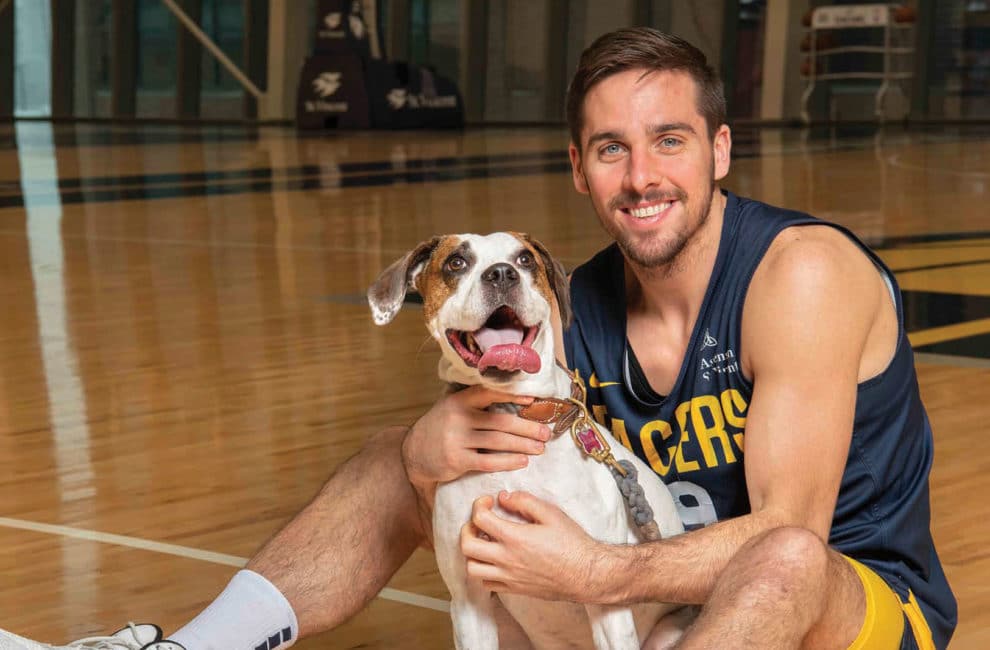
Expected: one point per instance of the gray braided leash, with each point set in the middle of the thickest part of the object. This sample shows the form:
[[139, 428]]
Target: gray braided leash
[[635, 498]]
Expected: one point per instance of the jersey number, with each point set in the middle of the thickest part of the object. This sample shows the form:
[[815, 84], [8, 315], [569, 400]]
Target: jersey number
[[694, 505]]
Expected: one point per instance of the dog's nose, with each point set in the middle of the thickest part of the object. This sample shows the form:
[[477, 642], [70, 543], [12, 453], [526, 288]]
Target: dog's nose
[[501, 275]]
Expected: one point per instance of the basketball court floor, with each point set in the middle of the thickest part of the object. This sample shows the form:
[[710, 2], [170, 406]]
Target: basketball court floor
[[186, 354]]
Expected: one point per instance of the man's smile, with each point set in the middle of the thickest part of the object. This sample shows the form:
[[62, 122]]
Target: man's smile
[[647, 210]]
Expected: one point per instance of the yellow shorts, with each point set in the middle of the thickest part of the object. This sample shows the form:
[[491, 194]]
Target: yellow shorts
[[883, 626]]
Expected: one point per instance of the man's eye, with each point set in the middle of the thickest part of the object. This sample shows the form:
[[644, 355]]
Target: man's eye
[[611, 149], [456, 263], [670, 142]]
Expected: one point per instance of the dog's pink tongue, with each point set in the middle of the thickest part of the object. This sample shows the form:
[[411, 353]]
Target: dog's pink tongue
[[503, 349], [510, 356]]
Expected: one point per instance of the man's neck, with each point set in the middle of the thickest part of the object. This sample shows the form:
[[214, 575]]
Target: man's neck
[[677, 289]]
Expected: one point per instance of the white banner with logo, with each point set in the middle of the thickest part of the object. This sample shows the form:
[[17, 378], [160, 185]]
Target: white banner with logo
[[872, 15]]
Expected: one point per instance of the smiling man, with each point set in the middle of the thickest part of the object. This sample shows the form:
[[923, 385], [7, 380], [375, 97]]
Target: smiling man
[[757, 360]]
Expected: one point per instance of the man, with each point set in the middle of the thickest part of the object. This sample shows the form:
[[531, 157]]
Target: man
[[710, 322], [713, 321]]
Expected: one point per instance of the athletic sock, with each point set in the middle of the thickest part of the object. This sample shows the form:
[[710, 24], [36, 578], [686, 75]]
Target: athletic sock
[[250, 614]]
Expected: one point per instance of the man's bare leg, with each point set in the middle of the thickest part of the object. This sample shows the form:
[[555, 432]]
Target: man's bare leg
[[668, 631], [341, 549], [785, 589]]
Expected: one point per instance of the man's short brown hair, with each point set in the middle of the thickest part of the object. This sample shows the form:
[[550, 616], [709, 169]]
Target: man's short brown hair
[[648, 49]]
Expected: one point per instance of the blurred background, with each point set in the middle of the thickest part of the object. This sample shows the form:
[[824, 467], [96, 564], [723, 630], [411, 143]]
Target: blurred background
[[510, 59]]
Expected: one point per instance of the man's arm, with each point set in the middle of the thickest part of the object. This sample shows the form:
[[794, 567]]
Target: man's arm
[[812, 306]]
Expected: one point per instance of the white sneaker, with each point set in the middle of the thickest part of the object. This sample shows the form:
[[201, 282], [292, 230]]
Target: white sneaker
[[133, 637]]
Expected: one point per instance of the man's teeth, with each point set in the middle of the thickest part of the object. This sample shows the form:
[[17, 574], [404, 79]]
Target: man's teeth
[[642, 213]]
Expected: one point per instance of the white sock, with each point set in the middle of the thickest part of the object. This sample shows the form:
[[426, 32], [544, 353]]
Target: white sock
[[250, 614]]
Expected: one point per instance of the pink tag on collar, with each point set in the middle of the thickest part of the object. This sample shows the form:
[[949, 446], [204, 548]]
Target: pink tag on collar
[[589, 441]]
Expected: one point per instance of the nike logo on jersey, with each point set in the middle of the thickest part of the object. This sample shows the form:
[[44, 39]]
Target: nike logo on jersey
[[594, 383]]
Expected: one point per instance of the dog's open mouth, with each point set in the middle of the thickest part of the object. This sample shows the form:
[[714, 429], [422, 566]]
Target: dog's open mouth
[[503, 343]]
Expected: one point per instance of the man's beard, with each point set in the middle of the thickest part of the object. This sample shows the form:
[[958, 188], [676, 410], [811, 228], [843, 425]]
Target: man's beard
[[650, 254]]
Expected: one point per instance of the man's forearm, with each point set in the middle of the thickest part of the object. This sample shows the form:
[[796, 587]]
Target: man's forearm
[[680, 569]]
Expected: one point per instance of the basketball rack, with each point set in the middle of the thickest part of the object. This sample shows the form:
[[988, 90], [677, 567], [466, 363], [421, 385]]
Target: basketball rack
[[897, 49]]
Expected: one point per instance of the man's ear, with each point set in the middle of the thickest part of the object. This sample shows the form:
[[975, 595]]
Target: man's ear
[[580, 182], [722, 148], [388, 292]]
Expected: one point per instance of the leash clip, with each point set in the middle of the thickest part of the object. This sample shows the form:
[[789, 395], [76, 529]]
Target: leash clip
[[590, 440]]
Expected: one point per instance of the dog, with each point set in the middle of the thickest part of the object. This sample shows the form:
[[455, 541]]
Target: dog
[[488, 302]]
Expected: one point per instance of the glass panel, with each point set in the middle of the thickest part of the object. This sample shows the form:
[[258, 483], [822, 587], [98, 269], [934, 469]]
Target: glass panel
[[92, 65], [974, 61], [744, 97], [515, 87], [444, 35], [222, 96], [419, 31], [157, 64], [32, 59]]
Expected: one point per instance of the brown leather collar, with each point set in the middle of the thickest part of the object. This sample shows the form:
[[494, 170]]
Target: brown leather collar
[[561, 413]]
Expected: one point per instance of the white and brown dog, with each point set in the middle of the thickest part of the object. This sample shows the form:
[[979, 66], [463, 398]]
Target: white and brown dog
[[488, 301]]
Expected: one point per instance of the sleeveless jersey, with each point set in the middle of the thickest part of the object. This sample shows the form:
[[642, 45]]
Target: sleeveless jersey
[[694, 437]]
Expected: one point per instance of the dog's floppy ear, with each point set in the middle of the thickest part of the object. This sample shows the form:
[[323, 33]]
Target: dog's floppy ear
[[386, 294], [557, 275]]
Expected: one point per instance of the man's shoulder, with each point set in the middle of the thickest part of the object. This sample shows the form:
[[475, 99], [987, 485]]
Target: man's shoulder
[[749, 207], [810, 271], [815, 247]]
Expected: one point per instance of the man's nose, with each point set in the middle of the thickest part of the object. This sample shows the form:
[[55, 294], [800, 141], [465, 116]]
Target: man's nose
[[501, 276], [643, 171]]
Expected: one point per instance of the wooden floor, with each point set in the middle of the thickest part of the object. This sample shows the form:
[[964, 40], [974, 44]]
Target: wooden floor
[[185, 353]]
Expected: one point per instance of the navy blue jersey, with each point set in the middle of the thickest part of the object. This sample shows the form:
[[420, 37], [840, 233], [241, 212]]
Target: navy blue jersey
[[693, 438]]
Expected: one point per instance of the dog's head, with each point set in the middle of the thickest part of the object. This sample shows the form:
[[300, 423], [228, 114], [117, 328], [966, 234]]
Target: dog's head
[[487, 300]]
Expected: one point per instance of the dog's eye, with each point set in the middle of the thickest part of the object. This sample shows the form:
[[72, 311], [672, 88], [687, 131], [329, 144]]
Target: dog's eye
[[526, 260], [456, 263]]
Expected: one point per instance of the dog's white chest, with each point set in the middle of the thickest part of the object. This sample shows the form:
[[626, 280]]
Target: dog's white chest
[[582, 488], [561, 475]]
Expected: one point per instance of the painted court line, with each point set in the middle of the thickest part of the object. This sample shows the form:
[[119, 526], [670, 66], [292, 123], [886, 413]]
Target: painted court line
[[387, 593]]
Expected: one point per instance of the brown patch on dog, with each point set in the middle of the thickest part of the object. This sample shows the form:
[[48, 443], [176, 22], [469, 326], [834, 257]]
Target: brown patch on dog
[[551, 281], [435, 286]]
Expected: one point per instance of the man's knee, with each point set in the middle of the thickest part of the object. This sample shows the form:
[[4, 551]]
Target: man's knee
[[792, 575], [385, 469], [376, 468], [791, 546], [388, 439], [803, 569], [787, 560]]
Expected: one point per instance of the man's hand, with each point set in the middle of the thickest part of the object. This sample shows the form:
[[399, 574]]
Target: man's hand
[[458, 436], [550, 558]]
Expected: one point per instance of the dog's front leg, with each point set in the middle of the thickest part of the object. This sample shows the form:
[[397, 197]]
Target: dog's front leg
[[612, 627], [473, 616], [472, 610]]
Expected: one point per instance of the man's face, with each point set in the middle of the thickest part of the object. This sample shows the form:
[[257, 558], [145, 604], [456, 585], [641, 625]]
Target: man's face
[[648, 162]]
